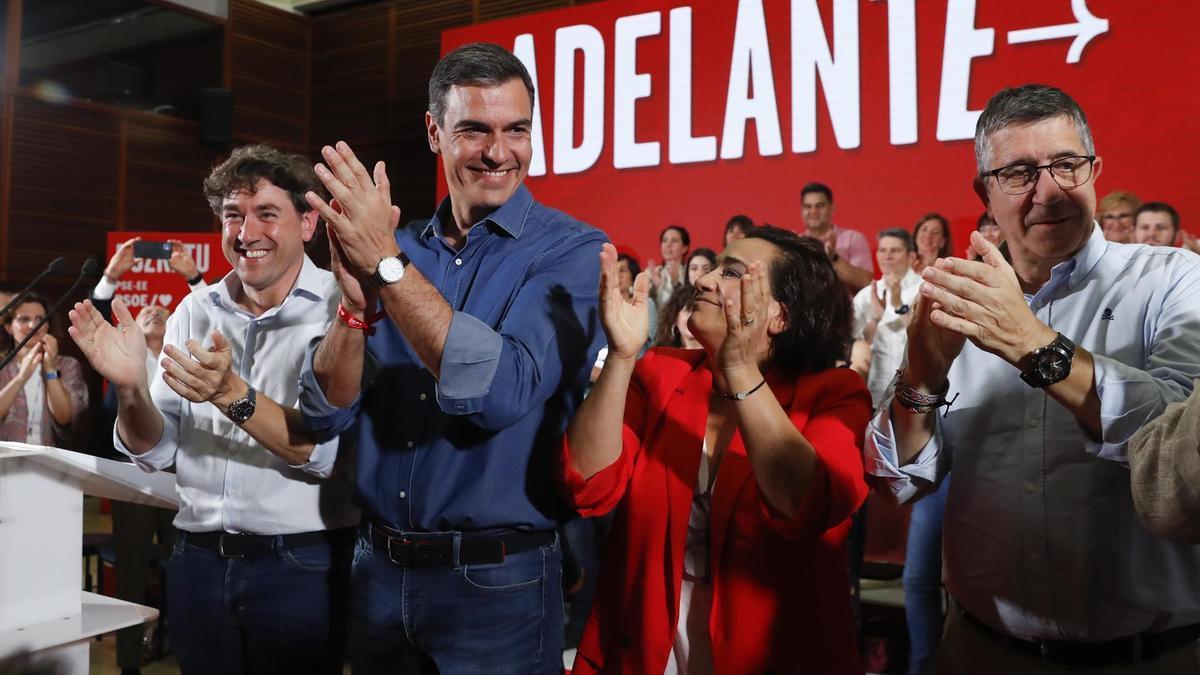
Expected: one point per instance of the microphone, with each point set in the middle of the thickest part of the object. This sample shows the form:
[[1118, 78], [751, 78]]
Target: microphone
[[16, 301], [89, 268]]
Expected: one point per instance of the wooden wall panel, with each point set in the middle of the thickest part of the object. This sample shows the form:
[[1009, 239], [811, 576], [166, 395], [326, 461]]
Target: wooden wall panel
[[500, 9], [269, 64], [165, 168], [64, 183], [352, 84]]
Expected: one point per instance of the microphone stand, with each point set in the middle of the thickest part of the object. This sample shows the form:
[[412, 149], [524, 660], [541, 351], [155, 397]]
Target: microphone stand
[[16, 301], [89, 267]]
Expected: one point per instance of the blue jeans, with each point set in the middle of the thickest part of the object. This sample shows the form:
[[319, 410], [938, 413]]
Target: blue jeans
[[500, 618], [923, 580], [277, 613]]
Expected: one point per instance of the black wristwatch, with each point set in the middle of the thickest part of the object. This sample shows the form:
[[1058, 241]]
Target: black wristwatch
[[241, 409], [903, 309], [389, 270], [1049, 364]]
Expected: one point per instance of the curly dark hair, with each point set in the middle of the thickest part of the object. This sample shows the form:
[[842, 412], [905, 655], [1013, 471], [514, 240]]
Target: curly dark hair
[[815, 304], [251, 163], [666, 335]]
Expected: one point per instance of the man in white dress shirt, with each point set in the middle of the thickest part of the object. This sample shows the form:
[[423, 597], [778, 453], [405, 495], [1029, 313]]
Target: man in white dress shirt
[[883, 308], [256, 581], [1058, 349]]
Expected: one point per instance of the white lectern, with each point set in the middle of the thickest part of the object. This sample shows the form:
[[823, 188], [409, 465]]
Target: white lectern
[[43, 611]]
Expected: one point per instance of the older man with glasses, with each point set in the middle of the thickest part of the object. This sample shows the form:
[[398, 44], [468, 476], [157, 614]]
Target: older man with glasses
[[1053, 351]]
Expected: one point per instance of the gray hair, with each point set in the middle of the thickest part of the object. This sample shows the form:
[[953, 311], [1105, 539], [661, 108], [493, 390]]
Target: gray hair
[[901, 234], [1022, 105], [477, 63]]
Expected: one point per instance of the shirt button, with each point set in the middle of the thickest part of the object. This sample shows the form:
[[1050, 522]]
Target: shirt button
[[423, 397], [403, 494], [1030, 488], [1033, 422], [410, 444], [1035, 556], [458, 261]]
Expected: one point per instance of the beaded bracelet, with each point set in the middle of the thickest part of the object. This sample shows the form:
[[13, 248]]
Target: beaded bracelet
[[917, 402]]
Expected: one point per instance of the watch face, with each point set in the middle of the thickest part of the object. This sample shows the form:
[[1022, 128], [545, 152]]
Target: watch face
[[390, 270], [241, 410], [1053, 366]]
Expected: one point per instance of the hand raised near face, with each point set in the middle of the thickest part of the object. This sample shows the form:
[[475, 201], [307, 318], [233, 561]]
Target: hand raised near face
[[746, 319], [365, 221]]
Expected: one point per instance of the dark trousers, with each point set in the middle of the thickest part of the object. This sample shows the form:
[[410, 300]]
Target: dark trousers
[[134, 530], [278, 613], [499, 618]]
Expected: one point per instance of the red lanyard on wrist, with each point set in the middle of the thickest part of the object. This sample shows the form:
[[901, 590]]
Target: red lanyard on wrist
[[358, 324]]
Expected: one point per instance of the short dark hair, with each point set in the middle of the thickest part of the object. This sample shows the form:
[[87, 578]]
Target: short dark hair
[[475, 64], [1159, 207], [683, 234], [251, 163], [819, 188], [1023, 105], [941, 220], [708, 253], [815, 304], [634, 268], [984, 219], [666, 335], [901, 234], [741, 222]]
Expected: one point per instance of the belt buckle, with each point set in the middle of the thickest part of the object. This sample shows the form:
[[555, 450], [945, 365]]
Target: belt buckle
[[391, 555], [221, 548]]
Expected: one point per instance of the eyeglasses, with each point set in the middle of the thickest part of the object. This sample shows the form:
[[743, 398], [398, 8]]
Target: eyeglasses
[[1068, 172]]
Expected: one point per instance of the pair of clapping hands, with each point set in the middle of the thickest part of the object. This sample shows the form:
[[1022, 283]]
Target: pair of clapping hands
[[961, 300], [361, 220]]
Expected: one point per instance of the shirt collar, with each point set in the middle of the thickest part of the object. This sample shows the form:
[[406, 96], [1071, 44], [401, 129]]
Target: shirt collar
[[1070, 273], [510, 217], [308, 285]]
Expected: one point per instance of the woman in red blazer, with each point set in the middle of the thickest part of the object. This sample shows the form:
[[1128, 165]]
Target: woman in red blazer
[[734, 471]]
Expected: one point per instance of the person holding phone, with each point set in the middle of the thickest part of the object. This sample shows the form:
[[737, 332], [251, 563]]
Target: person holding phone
[[172, 250]]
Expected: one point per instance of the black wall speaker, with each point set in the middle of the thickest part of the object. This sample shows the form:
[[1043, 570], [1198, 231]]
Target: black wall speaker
[[216, 117]]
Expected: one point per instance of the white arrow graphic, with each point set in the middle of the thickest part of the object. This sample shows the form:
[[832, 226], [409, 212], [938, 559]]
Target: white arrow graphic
[[1086, 27]]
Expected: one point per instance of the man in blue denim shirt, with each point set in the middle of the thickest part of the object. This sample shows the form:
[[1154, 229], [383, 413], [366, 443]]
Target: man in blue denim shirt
[[461, 398]]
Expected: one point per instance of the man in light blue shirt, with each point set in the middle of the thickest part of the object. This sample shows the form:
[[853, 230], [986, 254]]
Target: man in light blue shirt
[[1053, 352]]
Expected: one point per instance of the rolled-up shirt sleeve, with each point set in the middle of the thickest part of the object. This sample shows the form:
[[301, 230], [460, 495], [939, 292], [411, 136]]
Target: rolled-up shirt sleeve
[[496, 376], [1164, 463], [324, 419], [911, 481]]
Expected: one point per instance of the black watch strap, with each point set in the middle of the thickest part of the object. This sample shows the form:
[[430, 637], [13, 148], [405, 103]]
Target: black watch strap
[[1050, 364]]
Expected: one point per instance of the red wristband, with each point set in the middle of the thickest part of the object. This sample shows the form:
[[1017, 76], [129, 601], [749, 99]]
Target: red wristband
[[356, 323]]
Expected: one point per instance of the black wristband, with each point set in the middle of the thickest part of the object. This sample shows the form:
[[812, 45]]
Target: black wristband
[[196, 279], [743, 395]]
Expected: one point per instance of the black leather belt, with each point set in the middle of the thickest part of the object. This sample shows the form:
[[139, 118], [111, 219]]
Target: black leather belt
[[240, 545], [1133, 649], [437, 550]]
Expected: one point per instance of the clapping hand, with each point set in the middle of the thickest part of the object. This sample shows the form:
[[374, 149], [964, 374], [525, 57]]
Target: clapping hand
[[746, 320], [365, 220], [117, 353], [201, 374], [626, 323], [983, 302]]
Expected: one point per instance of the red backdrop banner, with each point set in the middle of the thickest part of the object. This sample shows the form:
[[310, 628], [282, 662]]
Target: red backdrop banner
[[662, 112], [152, 282]]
